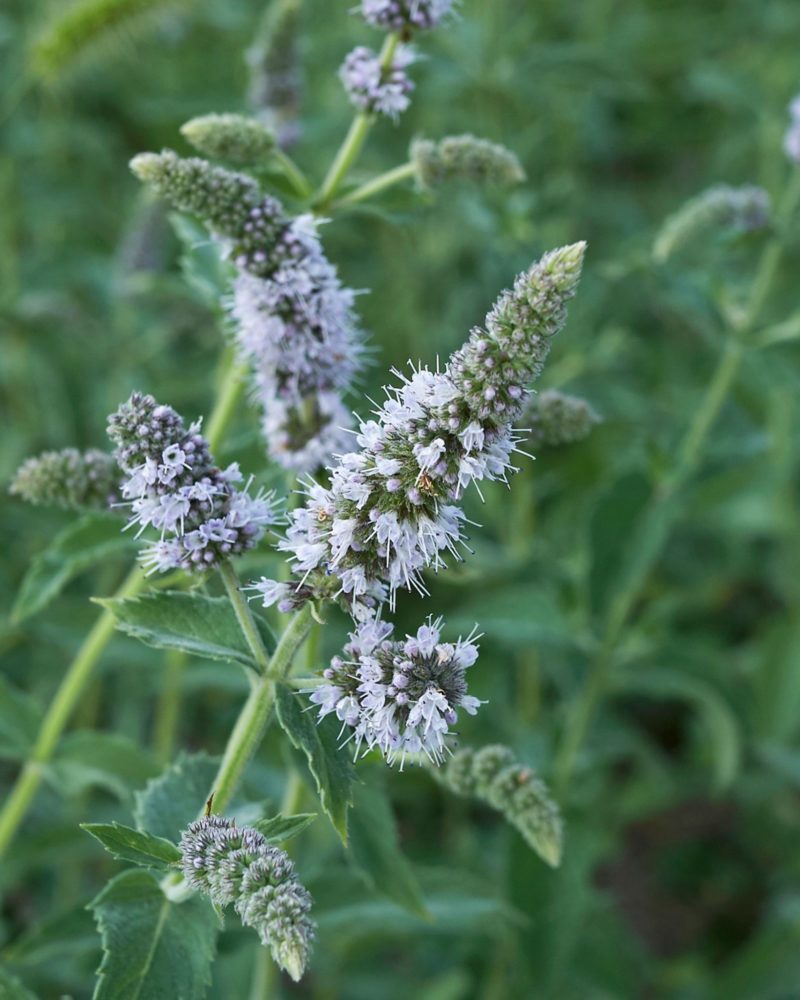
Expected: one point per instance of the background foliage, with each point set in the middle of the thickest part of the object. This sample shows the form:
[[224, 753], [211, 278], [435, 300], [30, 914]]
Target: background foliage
[[681, 875]]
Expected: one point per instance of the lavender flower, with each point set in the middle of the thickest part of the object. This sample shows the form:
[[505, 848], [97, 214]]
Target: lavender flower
[[231, 137], [236, 865], [494, 775], [401, 697], [405, 15], [173, 486], [376, 90], [791, 140], [557, 419], [295, 321], [464, 157], [68, 478], [392, 507]]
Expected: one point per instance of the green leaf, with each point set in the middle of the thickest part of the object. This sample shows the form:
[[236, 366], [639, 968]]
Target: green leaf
[[206, 273], [375, 849], [87, 759], [333, 772], [153, 948], [127, 844], [280, 828], [194, 623], [12, 989], [86, 542], [19, 722], [171, 801]]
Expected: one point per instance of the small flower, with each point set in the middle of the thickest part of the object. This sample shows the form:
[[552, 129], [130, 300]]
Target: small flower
[[721, 208], [231, 137], [236, 865], [464, 157], [401, 697], [405, 15], [494, 775], [376, 90], [173, 486], [557, 419], [68, 478], [791, 140]]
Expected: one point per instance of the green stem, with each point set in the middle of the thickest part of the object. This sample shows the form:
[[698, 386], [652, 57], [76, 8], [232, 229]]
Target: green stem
[[664, 509], [231, 389], [255, 715], [354, 140], [165, 724], [293, 173], [380, 183], [244, 616]]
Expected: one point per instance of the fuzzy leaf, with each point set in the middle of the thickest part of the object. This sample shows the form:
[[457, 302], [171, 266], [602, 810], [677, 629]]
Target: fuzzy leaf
[[19, 722], [194, 623], [375, 849], [152, 948], [87, 759], [280, 828], [171, 801], [127, 844], [86, 542], [333, 772]]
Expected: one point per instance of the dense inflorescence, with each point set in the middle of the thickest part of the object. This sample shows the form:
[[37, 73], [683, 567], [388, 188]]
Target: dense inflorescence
[[230, 137], [69, 478], [405, 15], [374, 88], [392, 507], [295, 321], [464, 157], [236, 865], [173, 486], [556, 418], [494, 775], [399, 696]]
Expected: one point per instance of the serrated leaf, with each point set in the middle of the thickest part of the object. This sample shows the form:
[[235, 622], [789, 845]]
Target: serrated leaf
[[127, 844], [171, 801], [194, 623], [12, 989], [280, 828], [375, 849], [333, 771], [86, 542], [19, 722], [87, 759], [153, 948]]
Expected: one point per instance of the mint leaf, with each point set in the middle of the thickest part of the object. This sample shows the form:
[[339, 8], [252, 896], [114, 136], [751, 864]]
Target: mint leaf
[[171, 801], [127, 844]]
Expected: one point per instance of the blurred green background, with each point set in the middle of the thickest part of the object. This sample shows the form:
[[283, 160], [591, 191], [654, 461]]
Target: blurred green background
[[681, 875]]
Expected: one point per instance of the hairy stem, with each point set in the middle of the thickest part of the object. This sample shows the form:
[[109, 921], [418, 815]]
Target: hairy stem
[[380, 183], [244, 616], [292, 173]]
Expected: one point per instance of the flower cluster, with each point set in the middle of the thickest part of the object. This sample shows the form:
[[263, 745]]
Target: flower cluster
[[374, 88], [556, 418], [235, 138], [464, 157], [295, 321], [173, 485], [721, 208], [275, 80], [68, 478], [791, 141], [391, 509], [401, 697], [236, 865], [494, 775], [405, 15]]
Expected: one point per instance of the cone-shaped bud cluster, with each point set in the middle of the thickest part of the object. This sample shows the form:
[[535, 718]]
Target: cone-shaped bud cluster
[[405, 15], [230, 137], [791, 140], [275, 86], [375, 89], [464, 157], [68, 478], [722, 209], [402, 697], [392, 507], [173, 486], [236, 865], [295, 320], [494, 775], [556, 418]]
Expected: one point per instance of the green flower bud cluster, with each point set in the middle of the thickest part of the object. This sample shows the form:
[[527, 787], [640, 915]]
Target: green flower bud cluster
[[71, 479], [556, 418], [494, 775], [464, 157], [235, 138]]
